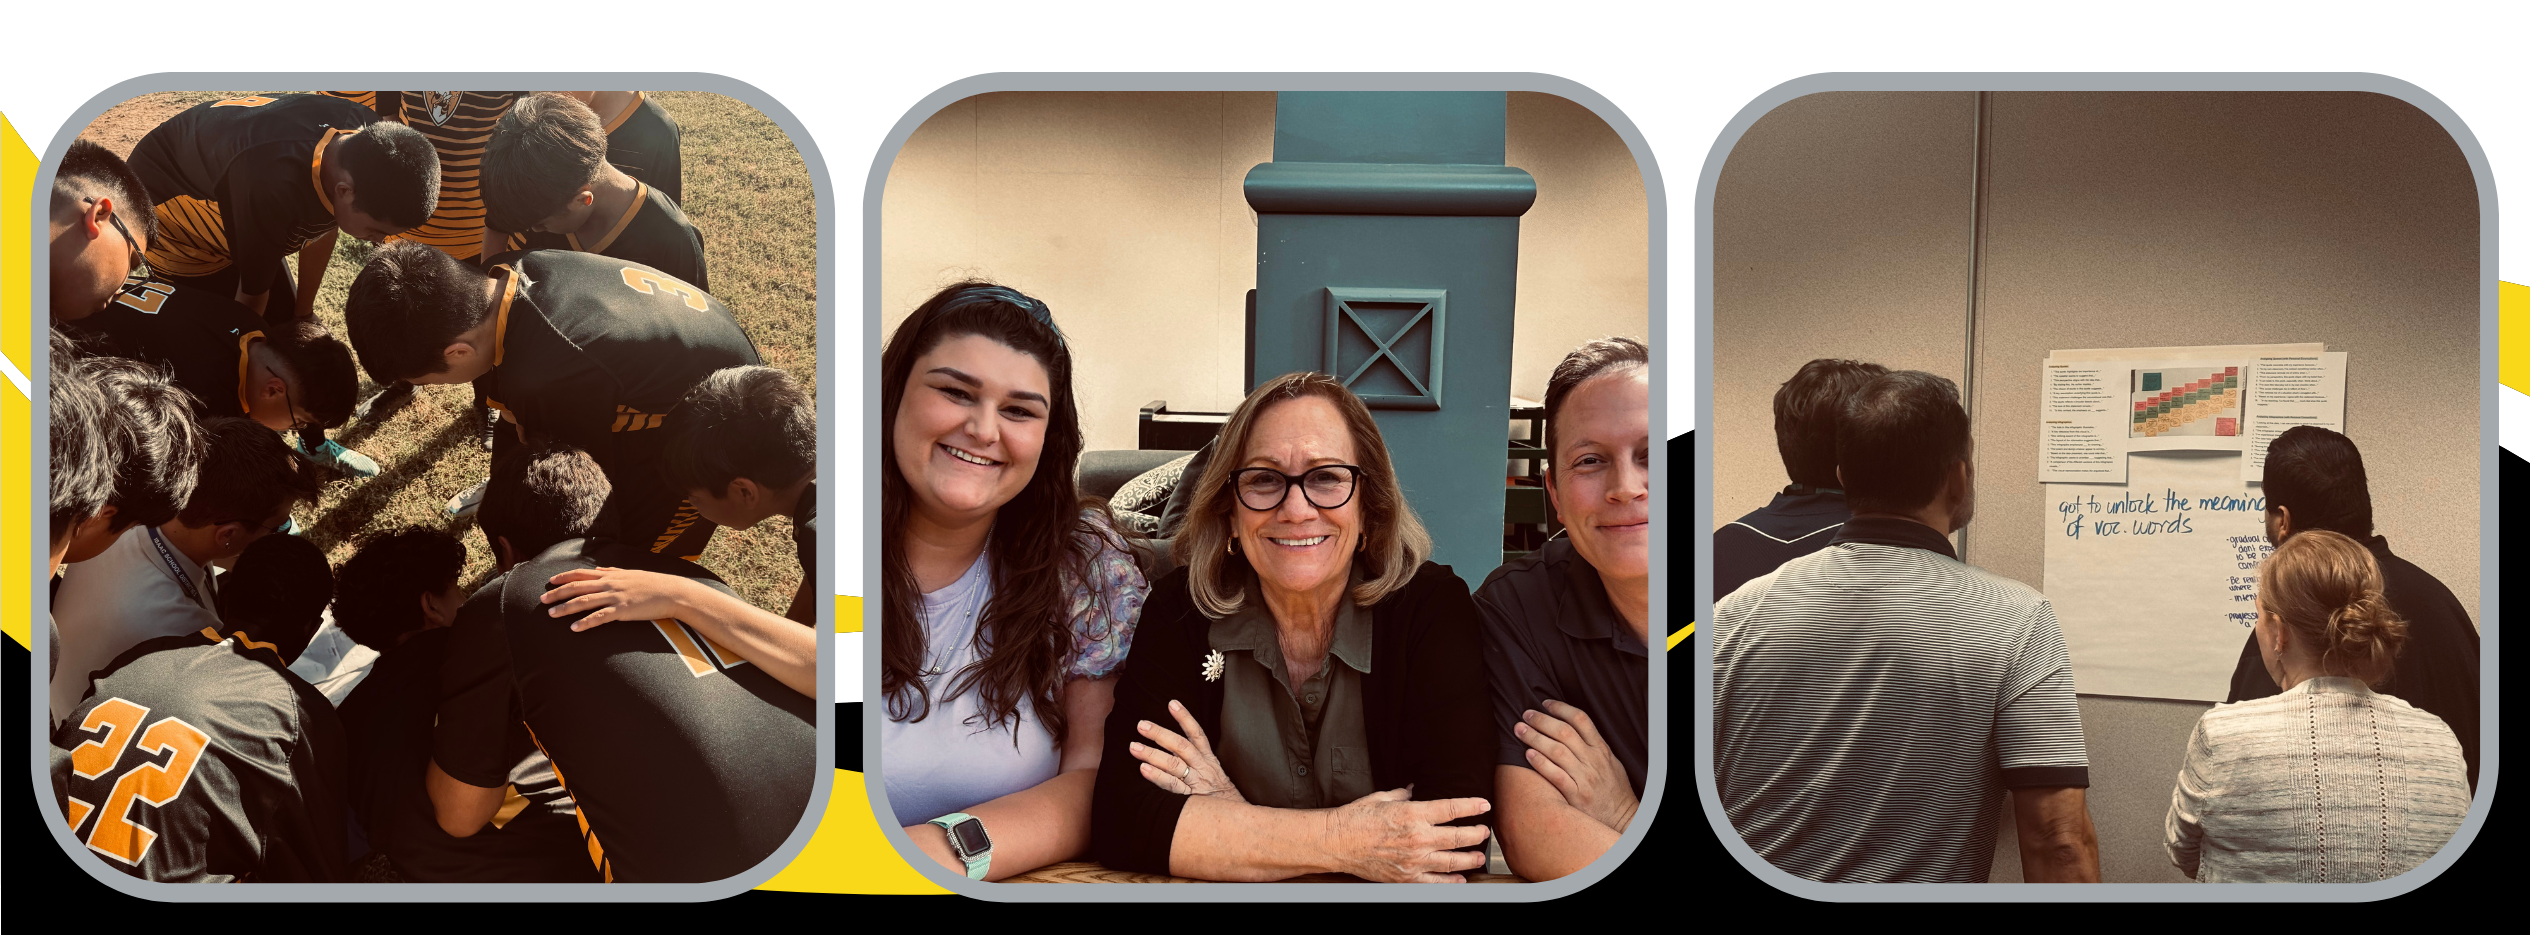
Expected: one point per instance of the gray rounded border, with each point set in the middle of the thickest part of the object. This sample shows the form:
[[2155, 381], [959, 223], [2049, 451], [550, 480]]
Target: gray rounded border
[[40, 421], [2490, 543], [1656, 253]]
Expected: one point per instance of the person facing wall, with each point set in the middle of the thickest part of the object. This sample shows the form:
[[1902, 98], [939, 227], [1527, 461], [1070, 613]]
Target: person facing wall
[[1875, 700], [1568, 627], [2328, 780], [1307, 693], [1805, 515], [2315, 481]]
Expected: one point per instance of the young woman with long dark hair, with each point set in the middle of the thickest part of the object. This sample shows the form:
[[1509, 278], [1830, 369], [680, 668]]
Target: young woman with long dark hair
[[1005, 601]]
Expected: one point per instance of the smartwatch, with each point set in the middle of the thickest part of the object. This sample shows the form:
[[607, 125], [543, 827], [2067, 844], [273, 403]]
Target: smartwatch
[[968, 841]]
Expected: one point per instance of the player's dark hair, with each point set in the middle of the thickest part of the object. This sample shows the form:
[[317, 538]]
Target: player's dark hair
[[407, 305], [1589, 360], [321, 372], [83, 457], [376, 594], [1807, 409], [277, 593], [543, 152], [2318, 475], [1899, 435], [1042, 540], [249, 474], [394, 173], [160, 447], [92, 171], [751, 422], [539, 495]]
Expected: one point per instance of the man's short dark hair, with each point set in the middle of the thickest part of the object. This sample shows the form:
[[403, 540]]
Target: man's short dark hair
[[92, 171], [83, 457], [1807, 409], [2318, 475], [1586, 361], [322, 375], [544, 151], [249, 475], [375, 596], [1899, 435], [277, 593], [407, 305], [160, 447], [542, 494], [751, 422], [394, 173]]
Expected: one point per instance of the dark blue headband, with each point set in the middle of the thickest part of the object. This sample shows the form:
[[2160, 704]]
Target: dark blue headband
[[1034, 308]]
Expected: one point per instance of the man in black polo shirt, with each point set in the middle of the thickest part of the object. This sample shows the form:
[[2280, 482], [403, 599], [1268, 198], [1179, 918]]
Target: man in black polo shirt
[[585, 349], [1808, 512], [1876, 701], [1568, 628], [240, 183], [688, 763], [287, 375], [2315, 480], [547, 179]]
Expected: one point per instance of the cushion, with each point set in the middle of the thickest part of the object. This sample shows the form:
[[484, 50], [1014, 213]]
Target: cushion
[[1147, 493]]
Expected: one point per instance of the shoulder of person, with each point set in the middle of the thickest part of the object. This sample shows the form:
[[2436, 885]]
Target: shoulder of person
[[2004, 590], [1434, 587]]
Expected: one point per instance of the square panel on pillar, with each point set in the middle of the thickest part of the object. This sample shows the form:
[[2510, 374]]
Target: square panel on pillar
[[1386, 345]]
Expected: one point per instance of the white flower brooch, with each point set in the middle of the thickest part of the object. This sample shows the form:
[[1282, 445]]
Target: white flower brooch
[[1213, 665]]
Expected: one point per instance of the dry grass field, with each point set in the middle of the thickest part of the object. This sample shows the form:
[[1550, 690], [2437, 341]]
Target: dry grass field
[[745, 188]]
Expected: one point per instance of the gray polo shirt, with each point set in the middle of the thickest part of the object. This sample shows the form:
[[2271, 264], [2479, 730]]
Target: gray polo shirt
[[1873, 700]]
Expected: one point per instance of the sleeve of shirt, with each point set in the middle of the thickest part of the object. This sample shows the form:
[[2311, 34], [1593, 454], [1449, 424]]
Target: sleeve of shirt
[[1453, 715], [258, 225], [477, 701], [2038, 731], [1132, 823], [2183, 833], [1105, 608], [1518, 682]]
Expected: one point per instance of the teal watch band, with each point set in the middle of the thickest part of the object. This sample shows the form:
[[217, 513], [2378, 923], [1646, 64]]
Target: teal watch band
[[978, 862]]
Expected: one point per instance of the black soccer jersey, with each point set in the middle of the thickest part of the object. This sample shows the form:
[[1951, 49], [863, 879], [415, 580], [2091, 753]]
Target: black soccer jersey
[[596, 352], [688, 763], [646, 143], [200, 758], [804, 531], [199, 337], [535, 838], [653, 232], [239, 182], [458, 123]]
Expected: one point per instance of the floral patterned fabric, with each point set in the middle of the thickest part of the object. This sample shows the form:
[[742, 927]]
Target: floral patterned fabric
[[1105, 607]]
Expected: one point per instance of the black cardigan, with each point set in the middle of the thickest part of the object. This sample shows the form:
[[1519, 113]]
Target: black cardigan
[[1424, 702]]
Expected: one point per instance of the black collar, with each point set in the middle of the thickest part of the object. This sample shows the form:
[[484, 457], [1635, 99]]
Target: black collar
[[1898, 532]]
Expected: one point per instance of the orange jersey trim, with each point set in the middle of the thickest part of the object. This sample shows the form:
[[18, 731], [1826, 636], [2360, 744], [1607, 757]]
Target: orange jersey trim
[[316, 169], [629, 109], [245, 341], [501, 327], [641, 196]]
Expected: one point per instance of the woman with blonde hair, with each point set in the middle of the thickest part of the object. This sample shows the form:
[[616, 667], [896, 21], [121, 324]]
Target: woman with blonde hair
[[1307, 694], [2329, 781]]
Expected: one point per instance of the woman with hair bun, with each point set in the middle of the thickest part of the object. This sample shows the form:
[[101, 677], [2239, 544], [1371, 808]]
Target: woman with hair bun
[[2329, 781]]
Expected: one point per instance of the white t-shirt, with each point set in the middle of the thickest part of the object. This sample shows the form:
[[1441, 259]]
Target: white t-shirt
[[123, 597], [943, 763]]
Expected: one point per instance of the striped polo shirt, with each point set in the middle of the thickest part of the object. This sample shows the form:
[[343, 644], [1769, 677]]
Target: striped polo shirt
[[1873, 700]]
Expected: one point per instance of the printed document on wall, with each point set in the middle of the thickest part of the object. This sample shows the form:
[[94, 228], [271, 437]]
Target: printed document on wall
[[2291, 390]]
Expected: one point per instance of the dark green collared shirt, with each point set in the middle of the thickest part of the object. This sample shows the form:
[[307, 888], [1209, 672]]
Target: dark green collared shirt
[[1287, 746]]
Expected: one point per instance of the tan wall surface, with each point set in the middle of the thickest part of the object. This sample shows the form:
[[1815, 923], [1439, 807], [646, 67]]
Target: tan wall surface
[[1840, 229], [1125, 213]]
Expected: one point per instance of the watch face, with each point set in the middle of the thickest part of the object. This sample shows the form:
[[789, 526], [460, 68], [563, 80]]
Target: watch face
[[970, 837]]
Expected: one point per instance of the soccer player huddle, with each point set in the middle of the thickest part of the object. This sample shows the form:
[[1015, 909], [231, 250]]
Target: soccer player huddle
[[227, 706]]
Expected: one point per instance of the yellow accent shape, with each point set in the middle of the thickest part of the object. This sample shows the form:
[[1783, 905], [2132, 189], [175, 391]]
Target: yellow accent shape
[[847, 614], [850, 853], [17, 311], [1681, 635], [2512, 332]]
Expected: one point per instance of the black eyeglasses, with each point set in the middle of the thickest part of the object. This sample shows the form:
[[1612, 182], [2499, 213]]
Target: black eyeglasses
[[1326, 486], [292, 399], [140, 261]]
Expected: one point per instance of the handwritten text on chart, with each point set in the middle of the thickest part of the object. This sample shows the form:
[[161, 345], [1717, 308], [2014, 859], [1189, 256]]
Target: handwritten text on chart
[[2171, 511]]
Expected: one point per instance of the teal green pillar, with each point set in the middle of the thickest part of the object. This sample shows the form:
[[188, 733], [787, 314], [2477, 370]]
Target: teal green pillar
[[1387, 254]]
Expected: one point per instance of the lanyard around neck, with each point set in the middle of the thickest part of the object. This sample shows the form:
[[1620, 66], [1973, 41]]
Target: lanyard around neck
[[183, 580]]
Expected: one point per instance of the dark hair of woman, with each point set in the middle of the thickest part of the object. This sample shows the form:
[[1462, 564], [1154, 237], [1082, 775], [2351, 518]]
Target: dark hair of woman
[[1041, 543]]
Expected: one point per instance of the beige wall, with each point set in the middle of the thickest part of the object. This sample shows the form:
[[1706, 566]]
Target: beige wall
[[1125, 213], [2112, 220]]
